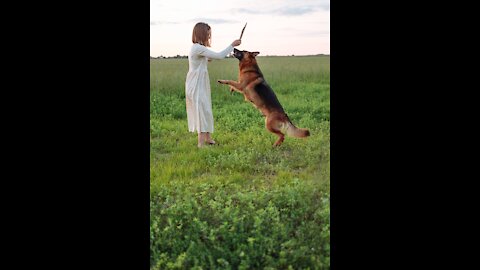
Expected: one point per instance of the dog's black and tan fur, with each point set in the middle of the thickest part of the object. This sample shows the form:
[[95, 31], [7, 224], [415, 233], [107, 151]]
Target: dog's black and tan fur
[[256, 90]]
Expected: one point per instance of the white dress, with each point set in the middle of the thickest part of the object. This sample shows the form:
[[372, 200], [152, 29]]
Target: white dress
[[197, 88]]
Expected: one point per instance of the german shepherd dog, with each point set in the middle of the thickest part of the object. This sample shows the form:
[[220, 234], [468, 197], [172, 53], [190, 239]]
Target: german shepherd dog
[[256, 90]]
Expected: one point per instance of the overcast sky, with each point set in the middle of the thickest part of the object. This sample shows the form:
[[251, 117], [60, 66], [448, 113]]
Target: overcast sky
[[275, 27]]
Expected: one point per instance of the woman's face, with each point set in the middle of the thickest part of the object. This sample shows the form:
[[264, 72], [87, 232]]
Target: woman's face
[[209, 37]]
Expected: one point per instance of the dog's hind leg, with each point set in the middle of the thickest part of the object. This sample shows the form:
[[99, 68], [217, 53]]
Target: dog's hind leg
[[272, 125], [280, 139]]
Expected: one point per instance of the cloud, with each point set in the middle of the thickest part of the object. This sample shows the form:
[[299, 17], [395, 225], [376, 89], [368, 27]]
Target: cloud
[[206, 20], [316, 4], [213, 21], [162, 22], [285, 11], [250, 11], [293, 11]]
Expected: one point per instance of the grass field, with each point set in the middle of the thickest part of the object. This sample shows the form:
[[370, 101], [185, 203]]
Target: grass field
[[241, 204]]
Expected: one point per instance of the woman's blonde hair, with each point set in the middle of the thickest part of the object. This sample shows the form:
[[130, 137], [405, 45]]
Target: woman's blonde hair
[[201, 34]]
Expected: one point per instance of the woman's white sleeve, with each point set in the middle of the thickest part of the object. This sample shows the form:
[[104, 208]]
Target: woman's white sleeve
[[204, 51]]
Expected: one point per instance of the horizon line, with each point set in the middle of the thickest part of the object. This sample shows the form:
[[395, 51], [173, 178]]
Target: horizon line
[[165, 56]]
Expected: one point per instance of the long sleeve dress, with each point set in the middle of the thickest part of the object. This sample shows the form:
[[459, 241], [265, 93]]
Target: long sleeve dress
[[197, 88]]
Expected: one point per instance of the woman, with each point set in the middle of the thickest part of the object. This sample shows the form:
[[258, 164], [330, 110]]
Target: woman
[[197, 84]]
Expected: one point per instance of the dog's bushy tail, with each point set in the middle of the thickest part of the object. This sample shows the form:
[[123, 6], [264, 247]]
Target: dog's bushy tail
[[293, 131]]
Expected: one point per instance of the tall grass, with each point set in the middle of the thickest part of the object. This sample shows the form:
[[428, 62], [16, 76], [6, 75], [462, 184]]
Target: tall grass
[[191, 188]]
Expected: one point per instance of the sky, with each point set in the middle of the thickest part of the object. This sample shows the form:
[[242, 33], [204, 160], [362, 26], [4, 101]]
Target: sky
[[274, 27]]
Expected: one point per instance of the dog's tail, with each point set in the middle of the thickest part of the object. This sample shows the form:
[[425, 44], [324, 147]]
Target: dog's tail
[[293, 131]]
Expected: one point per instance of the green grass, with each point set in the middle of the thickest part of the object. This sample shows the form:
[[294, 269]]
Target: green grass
[[241, 204]]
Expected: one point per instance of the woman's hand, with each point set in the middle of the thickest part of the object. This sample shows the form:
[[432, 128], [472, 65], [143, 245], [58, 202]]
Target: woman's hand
[[236, 42]]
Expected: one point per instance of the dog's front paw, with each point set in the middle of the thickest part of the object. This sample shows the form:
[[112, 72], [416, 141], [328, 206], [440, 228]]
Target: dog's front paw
[[221, 81]]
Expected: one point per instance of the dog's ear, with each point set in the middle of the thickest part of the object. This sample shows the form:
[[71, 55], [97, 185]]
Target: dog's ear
[[255, 54]]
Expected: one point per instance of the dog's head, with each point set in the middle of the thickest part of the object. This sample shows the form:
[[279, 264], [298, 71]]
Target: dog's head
[[244, 55]]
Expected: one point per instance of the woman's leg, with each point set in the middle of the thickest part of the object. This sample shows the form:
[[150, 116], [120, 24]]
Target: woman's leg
[[201, 139]]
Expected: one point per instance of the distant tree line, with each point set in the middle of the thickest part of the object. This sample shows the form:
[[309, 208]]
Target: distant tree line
[[168, 57], [228, 56]]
